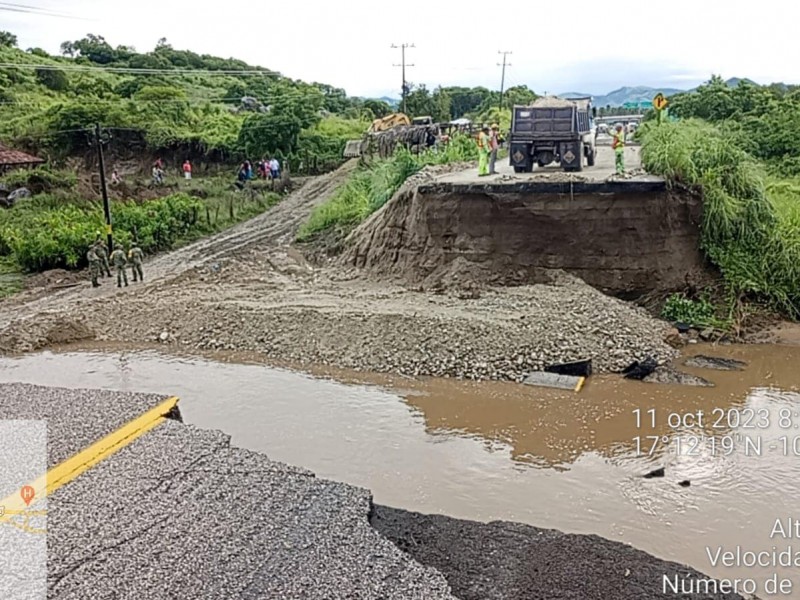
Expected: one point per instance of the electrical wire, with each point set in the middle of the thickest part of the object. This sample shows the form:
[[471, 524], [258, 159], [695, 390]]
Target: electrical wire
[[36, 10]]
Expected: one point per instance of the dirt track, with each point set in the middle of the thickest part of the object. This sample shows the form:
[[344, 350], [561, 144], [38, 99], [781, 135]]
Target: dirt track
[[250, 289]]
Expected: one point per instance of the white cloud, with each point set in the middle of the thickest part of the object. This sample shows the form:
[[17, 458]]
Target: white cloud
[[584, 46]]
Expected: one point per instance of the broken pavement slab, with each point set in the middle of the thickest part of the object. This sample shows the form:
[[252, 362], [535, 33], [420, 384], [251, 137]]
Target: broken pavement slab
[[717, 363], [554, 380], [179, 513]]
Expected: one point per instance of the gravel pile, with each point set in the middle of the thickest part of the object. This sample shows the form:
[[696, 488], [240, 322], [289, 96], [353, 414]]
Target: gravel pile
[[501, 335]]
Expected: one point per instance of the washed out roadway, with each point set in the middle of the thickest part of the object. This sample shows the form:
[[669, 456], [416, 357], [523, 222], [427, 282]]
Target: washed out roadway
[[179, 513]]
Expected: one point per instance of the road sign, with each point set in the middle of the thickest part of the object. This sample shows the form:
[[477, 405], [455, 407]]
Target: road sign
[[660, 102]]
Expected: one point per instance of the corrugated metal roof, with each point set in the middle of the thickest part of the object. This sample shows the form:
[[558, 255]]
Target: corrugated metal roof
[[16, 157]]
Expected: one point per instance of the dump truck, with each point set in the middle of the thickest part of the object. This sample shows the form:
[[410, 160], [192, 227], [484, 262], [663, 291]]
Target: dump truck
[[550, 130]]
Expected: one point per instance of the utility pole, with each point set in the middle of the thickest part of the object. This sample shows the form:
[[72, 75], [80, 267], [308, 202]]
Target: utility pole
[[100, 141], [503, 76], [403, 65]]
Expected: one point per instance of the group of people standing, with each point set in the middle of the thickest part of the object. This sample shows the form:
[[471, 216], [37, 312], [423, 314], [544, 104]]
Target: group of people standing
[[266, 168], [99, 262], [488, 144]]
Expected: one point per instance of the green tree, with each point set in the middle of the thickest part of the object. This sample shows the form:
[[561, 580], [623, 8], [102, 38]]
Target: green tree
[[465, 100], [53, 79], [95, 48], [377, 108], [7, 40], [421, 103]]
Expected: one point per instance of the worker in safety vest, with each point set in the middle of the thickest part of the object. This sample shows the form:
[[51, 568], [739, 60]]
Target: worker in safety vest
[[618, 144], [484, 149]]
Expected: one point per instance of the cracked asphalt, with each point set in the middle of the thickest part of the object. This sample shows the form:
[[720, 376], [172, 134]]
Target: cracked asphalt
[[179, 513]]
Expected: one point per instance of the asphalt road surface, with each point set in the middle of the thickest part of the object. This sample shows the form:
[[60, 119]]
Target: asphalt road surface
[[604, 168]]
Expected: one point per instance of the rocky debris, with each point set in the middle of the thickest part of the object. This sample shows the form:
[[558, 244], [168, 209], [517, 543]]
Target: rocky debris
[[714, 362], [656, 473], [42, 331], [669, 375], [639, 370], [552, 102], [512, 561], [502, 335], [18, 194]]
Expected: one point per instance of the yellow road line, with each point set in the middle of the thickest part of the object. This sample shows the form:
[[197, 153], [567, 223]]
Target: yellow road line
[[84, 460]]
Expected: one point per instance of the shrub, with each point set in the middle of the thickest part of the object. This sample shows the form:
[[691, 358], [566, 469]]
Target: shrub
[[749, 230]]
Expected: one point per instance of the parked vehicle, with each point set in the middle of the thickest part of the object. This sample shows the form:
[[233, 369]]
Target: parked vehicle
[[553, 130]]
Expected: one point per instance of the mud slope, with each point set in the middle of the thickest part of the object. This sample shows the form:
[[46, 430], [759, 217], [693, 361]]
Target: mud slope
[[623, 238]]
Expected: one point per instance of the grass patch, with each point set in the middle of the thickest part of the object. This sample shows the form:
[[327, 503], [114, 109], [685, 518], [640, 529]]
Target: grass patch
[[11, 278], [751, 225], [370, 187]]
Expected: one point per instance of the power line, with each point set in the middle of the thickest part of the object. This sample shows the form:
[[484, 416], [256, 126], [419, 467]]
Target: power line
[[403, 65], [503, 76], [36, 10]]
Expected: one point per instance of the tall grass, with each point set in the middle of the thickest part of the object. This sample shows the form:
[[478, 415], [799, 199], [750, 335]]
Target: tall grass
[[751, 225], [370, 187]]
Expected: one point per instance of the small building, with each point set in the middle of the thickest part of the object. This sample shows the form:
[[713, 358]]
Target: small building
[[16, 159]]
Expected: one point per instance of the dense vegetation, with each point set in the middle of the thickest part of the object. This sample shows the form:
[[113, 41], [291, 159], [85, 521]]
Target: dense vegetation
[[170, 101], [54, 228], [764, 121], [742, 145], [370, 187]]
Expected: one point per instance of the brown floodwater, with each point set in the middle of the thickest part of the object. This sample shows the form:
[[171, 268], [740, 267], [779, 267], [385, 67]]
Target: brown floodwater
[[484, 451]]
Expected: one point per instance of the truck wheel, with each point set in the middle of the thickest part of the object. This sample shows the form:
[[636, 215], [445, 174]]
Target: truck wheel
[[590, 158], [579, 163]]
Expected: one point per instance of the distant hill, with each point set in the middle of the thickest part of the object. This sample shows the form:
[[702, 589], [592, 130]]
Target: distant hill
[[393, 102], [625, 94], [643, 93]]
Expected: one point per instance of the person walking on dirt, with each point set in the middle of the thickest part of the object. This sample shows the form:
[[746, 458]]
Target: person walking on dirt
[[137, 256], [494, 144], [120, 262], [483, 151], [618, 145], [187, 170], [102, 256], [94, 266], [275, 168]]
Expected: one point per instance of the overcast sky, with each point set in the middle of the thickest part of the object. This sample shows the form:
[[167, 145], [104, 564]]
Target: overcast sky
[[580, 46]]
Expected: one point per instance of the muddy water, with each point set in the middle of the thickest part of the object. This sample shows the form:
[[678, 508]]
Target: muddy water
[[502, 451]]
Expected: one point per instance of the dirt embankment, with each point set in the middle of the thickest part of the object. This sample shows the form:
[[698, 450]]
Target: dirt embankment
[[625, 239]]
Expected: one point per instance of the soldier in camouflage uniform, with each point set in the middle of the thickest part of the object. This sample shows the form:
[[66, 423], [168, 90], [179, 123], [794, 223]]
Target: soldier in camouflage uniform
[[94, 265], [136, 255], [102, 255], [120, 262]]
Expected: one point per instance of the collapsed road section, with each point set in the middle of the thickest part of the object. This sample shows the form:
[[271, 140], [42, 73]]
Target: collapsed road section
[[626, 238], [177, 512]]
